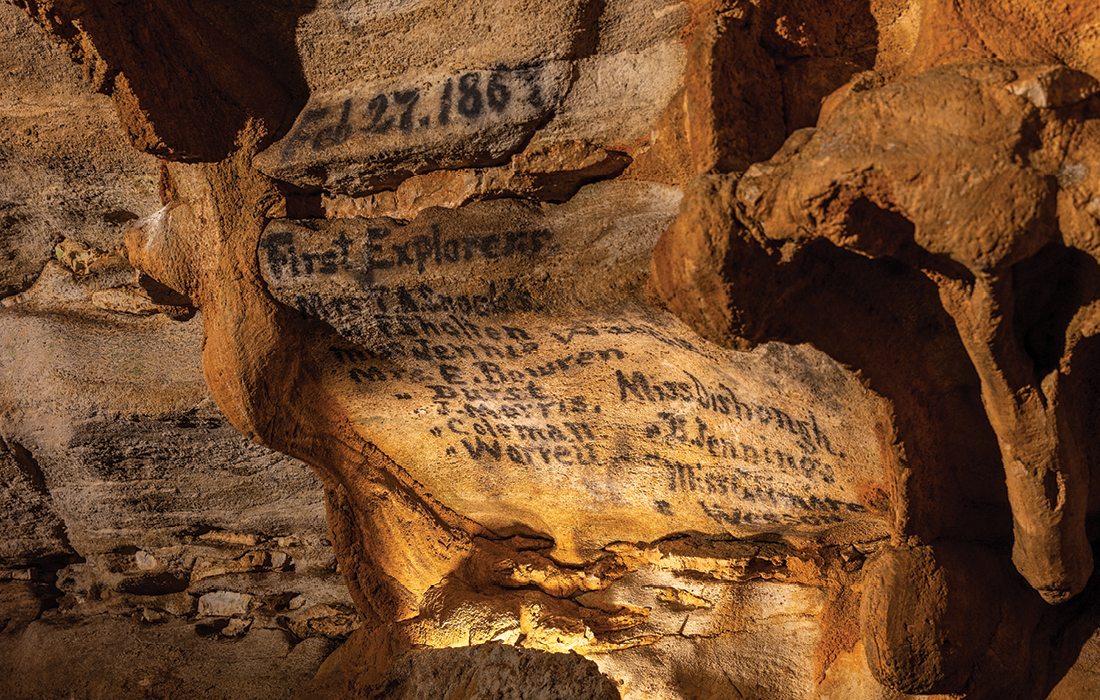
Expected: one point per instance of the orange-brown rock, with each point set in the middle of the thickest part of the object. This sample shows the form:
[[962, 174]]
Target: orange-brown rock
[[640, 348]]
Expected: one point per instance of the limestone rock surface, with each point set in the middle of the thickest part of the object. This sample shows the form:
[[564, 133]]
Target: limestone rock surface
[[575, 348]]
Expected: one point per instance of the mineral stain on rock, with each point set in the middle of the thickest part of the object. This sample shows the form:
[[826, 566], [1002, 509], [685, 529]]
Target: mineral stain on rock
[[618, 348]]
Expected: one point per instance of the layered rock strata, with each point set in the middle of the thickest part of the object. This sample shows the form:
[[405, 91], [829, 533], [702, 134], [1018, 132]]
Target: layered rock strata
[[741, 348]]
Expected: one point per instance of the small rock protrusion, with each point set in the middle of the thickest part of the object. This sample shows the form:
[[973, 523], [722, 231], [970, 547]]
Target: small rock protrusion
[[225, 604], [1055, 86], [236, 627], [151, 616], [145, 561]]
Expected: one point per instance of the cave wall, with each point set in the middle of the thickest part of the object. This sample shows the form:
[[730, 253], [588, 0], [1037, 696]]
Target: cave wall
[[734, 348], [140, 531]]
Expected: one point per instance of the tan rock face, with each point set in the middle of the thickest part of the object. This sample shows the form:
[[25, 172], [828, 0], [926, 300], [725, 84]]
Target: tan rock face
[[509, 340], [985, 264], [741, 348], [365, 137], [68, 172]]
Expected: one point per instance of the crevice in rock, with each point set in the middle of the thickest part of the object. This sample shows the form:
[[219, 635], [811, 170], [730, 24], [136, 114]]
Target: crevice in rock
[[1049, 288]]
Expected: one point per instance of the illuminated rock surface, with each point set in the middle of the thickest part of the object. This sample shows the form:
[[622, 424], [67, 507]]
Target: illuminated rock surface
[[632, 348]]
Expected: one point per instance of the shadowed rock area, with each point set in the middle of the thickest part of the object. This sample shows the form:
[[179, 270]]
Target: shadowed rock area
[[572, 349]]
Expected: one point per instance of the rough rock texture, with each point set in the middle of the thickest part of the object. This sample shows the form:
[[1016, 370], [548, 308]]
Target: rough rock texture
[[68, 171], [497, 671], [639, 348], [128, 506]]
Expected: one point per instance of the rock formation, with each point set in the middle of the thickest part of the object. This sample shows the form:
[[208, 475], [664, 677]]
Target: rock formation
[[639, 348]]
